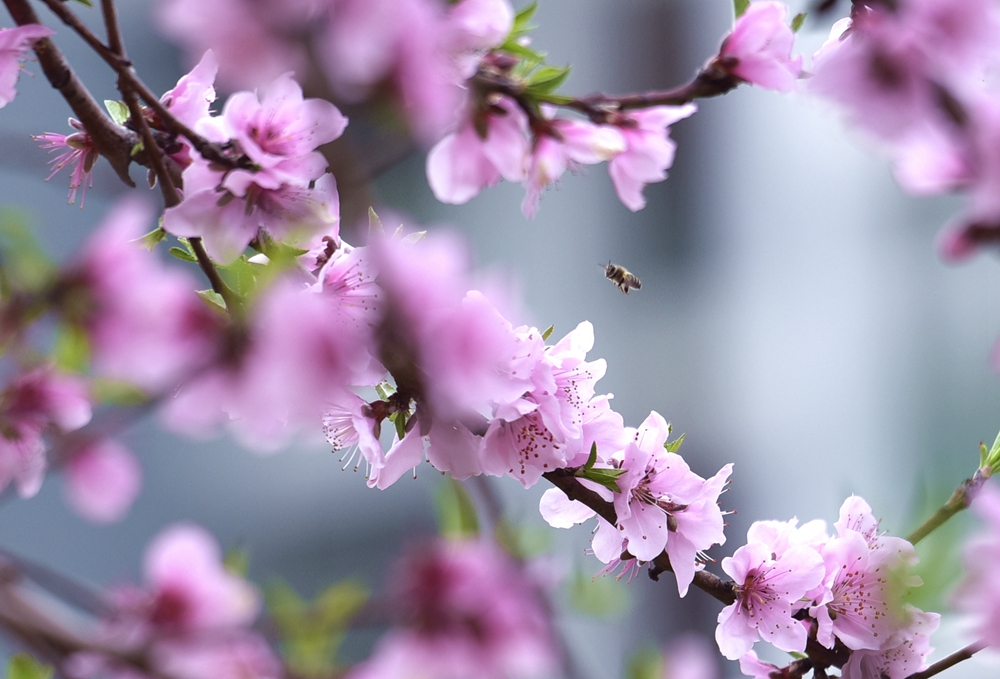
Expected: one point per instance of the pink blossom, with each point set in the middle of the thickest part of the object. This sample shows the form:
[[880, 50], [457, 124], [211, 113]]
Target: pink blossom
[[752, 666], [14, 45], [102, 481], [978, 595], [241, 655], [900, 658], [464, 610], [690, 657], [135, 308], [759, 50], [648, 152], [194, 93], [768, 593], [570, 143], [463, 163], [249, 49], [190, 589], [77, 151]]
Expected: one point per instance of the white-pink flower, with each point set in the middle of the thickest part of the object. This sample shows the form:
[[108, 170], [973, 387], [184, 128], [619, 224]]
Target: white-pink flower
[[759, 50], [14, 45], [648, 152]]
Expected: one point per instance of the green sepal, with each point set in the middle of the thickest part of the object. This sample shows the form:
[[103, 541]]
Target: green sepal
[[675, 445], [740, 6], [547, 333], [237, 561], [182, 254], [797, 22], [398, 418], [118, 393], [72, 348], [645, 664], [136, 149], [457, 517], [374, 224], [24, 666], [152, 239]]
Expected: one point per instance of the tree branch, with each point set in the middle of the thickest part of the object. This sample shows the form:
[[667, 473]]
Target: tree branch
[[950, 661]]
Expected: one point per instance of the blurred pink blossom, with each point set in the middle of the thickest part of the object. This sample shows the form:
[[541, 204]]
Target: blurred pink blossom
[[102, 480], [14, 46], [759, 50]]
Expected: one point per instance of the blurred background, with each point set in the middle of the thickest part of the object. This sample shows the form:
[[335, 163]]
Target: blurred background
[[794, 319]]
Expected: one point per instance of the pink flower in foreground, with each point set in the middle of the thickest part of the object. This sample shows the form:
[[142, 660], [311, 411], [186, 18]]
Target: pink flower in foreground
[[102, 481], [190, 589], [648, 153], [979, 593], [194, 93], [901, 657], [463, 163], [768, 593], [76, 150], [14, 45], [759, 50], [465, 610]]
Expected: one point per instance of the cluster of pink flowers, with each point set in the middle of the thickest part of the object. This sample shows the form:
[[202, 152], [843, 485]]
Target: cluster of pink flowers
[[422, 49], [797, 582], [286, 193], [661, 505], [914, 75], [191, 620], [465, 609]]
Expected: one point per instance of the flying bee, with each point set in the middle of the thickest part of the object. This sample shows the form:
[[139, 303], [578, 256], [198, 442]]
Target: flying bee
[[623, 279]]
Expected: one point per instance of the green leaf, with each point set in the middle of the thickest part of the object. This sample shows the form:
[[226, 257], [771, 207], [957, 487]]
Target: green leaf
[[72, 348], [85, 3], [237, 561], [136, 149], [241, 275], [593, 457], [182, 254], [117, 110], [24, 265], [675, 445], [24, 666], [798, 21], [548, 332], [524, 16], [115, 392], [152, 239], [546, 79], [646, 663], [532, 57], [557, 99], [597, 596], [740, 6], [606, 477], [456, 512], [213, 299]]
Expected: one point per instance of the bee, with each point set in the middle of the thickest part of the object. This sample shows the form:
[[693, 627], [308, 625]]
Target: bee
[[623, 279]]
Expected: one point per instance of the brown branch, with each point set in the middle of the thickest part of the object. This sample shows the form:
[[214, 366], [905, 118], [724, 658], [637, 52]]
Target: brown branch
[[950, 661], [566, 481], [208, 150], [110, 140]]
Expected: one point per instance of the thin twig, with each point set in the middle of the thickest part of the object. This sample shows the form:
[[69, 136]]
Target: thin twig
[[950, 661], [959, 501]]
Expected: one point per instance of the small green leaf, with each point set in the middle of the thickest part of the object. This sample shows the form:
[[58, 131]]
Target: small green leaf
[[606, 477], [675, 445], [182, 254], [399, 419], [797, 655], [645, 664], [456, 512], [384, 390], [798, 21], [85, 3], [115, 392], [213, 299], [24, 666], [593, 457], [525, 15], [72, 348], [136, 149], [557, 99], [597, 596], [546, 80], [532, 57], [117, 110], [740, 6], [237, 561], [152, 239], [241, 275], [548, 332]]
